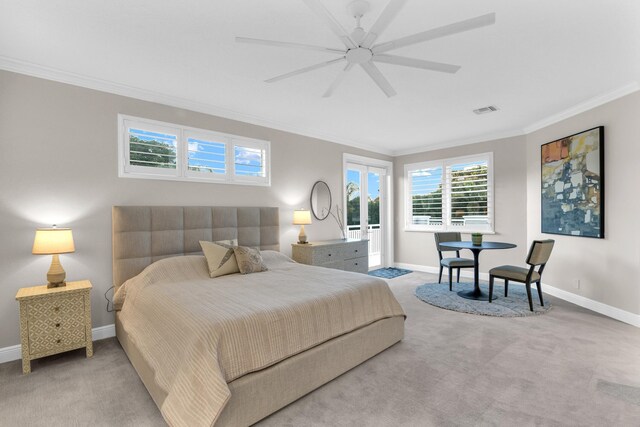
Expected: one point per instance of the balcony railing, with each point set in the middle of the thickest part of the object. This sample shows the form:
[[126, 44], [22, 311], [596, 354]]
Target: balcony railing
[[374, 234]]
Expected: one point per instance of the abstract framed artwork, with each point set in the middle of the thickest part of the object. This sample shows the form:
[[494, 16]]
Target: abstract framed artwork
[[572, 187]]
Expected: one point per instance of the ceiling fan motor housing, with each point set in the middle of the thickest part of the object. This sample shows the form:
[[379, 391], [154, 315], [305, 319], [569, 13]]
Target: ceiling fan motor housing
[[359, 55]]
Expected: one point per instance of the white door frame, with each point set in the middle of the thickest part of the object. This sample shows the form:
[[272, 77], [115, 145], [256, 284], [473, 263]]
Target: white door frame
[[386, 214]]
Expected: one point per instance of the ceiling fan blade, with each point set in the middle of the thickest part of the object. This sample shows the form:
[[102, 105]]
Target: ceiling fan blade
[[378, 78], [328, 19], [304, 70], [447, 30], [287, 44], [416, 63], [338, 80], [383, 21]]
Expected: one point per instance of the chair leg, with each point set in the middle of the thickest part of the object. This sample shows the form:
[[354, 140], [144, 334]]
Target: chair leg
[[528, 286], [539, 286], [490, 288], [450, 280], [458, 275], [440, 277], [506, 287]]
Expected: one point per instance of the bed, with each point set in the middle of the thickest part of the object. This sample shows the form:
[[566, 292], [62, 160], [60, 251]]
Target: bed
[[230, 351]]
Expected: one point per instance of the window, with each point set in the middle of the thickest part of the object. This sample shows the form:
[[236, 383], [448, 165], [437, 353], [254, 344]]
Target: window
[[451, 194], [155, 150]]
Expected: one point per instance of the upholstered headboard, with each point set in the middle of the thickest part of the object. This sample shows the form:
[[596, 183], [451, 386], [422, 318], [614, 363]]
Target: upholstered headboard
[[144, 234]]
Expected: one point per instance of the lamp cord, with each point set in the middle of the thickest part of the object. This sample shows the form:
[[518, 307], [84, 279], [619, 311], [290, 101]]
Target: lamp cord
[[108, 300]]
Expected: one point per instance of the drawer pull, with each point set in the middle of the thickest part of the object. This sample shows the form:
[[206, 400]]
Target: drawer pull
[[58, 341], [356, 250], [329, 255], [356, 263], [57, 325]]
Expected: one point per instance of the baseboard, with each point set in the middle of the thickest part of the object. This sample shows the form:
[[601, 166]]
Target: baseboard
[[598, 307], [14, 352]]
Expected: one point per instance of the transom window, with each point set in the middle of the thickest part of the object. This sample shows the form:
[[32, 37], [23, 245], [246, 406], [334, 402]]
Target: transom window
[[157, 150], [450, 194]]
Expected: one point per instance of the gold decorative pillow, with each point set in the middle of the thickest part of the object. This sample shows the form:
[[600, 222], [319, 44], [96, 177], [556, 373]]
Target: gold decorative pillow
[[249, 260], [221, 259], [227, 243]]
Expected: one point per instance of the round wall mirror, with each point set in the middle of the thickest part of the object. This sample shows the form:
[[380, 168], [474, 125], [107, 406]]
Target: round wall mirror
[[320, 200]]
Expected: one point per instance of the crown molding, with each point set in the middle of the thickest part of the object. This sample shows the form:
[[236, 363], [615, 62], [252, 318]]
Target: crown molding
[[458, 142], [61, 76], [587, 105]]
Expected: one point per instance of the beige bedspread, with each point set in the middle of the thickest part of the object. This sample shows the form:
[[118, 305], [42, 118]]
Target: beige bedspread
[[198, 333]]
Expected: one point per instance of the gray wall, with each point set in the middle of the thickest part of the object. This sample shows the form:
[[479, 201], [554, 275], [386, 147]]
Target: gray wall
[[509, 177], [58, 165], [607, 268]]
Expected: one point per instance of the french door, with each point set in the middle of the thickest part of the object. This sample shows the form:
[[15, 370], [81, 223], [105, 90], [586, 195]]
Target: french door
[[366, 208]]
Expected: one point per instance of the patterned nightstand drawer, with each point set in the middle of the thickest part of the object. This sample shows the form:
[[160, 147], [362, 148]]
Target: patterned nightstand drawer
[[54, 320], [55, 323], [56, 341], [56, 308]]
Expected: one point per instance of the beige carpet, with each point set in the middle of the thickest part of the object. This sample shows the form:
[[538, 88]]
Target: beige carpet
[[569, 367]]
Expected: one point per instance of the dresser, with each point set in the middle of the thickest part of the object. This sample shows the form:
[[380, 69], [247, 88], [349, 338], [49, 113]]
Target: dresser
[[349, 255], [53, 320]]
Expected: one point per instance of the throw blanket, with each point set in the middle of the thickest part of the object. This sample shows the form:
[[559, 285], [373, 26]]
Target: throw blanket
[[198, 333]]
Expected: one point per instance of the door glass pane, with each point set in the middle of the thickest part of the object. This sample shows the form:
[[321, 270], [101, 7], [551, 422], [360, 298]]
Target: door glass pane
[[354, 182], [373, 228]]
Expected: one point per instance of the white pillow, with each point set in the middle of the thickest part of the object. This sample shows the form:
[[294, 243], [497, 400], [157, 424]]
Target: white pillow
[[221, 260]]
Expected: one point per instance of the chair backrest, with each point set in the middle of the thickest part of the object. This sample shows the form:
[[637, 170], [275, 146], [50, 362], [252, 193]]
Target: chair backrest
[[446, 237], [540, 252]]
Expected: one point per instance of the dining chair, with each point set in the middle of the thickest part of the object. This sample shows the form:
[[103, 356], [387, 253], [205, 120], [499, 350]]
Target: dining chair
[[450, 263], [539, 254]]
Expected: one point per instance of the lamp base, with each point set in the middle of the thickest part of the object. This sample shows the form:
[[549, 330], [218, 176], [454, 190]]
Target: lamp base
[[302, 237], [56, 274], [56, 285]]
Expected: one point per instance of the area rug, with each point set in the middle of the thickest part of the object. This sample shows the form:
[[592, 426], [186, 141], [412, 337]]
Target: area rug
[[389, 272], [515, 305]]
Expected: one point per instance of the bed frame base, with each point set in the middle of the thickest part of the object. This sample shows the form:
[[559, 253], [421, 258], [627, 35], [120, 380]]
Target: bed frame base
[[259, 394]]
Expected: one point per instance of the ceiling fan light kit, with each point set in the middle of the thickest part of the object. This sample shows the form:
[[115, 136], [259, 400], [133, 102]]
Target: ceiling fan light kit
[[360, 48]]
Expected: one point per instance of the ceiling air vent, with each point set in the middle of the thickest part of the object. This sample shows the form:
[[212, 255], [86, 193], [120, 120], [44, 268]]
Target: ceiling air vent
[[484, 110]]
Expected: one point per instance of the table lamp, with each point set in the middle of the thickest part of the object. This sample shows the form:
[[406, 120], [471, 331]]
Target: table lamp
[[302, 217], [54, 241]]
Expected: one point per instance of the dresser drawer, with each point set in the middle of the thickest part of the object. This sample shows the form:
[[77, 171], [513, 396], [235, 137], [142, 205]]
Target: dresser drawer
[[326, 254], [55, 323], [336, 265], [358, 265], [355, 249]]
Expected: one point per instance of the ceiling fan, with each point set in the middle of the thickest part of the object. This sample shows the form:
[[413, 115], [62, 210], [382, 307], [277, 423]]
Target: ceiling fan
[[360, 46]]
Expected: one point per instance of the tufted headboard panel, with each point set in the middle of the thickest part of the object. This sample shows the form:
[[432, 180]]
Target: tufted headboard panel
[[142, 235]]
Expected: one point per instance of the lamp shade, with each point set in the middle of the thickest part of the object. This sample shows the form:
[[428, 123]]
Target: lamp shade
[[301, 217], [50, 241]]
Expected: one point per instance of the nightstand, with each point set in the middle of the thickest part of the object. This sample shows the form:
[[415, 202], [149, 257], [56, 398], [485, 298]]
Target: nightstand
[[349, 255], [54, 320]]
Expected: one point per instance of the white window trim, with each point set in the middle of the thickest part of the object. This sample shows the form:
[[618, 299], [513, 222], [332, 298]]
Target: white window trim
[[182, 172], [444, 163]]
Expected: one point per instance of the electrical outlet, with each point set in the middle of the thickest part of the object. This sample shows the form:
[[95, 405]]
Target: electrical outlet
[[576, 283]]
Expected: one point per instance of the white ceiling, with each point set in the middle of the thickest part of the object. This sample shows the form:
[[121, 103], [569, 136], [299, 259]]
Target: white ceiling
[[540, 58]]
